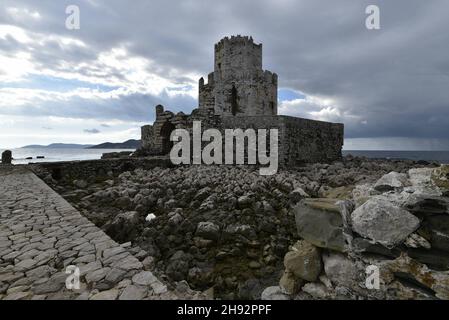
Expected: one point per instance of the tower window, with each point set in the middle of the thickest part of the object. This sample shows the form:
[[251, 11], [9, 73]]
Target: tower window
[[234, 104]]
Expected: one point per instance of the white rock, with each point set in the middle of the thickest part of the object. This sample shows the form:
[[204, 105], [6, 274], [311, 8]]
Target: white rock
[[382, 222], [391, 181], [150, 217]]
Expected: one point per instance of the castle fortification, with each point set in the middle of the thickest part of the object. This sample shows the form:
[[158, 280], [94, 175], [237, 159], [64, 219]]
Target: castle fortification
[[240, 94]]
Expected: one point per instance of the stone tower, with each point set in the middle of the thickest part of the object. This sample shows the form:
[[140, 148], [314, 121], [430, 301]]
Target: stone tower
[[239, 86]]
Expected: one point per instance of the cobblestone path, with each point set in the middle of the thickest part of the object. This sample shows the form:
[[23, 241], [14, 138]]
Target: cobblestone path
[[41, 234]]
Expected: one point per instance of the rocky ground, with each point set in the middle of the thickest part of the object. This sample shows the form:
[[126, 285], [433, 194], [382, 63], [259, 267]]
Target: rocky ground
[[303, 233]]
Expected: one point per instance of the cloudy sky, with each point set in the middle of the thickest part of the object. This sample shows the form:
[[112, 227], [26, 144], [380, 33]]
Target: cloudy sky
[[390, 87]]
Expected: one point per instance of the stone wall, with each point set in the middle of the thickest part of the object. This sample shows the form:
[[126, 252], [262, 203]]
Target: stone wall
[[92, 170], [300, 140], [306, 141]]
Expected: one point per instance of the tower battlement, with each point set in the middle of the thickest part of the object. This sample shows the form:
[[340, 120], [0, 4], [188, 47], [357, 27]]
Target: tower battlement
[[237, 52], [236, 40]]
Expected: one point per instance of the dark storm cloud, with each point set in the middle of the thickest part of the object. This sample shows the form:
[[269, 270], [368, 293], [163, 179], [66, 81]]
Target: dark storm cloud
[[387, 83]]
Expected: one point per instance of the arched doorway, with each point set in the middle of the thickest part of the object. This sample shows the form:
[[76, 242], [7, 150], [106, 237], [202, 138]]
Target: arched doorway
[[166, 131]]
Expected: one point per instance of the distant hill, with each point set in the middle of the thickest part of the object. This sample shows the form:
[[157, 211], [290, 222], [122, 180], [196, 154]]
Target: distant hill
[[130, 144], [58, 146]]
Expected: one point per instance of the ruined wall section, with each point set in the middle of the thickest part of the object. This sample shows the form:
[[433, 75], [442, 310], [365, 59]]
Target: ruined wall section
[[156, 137], [152, 140], [147, 136], [206, 98]]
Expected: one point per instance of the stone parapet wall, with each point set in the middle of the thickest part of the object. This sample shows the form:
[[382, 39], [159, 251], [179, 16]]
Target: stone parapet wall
[[89, 170]]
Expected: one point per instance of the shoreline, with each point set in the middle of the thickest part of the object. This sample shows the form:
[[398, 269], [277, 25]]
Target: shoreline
[[441, 156]]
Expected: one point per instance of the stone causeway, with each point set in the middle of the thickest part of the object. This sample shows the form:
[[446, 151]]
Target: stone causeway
[[41, 234]]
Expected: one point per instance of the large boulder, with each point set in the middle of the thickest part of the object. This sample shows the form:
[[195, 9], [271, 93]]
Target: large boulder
[[340, 269], [383, 223], [304, 261], [391, 181], [319, 222], [6, 157]]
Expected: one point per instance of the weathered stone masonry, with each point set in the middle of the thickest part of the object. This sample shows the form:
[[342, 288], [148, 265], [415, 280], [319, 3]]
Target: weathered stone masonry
[[239, 85], [240, 94]]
